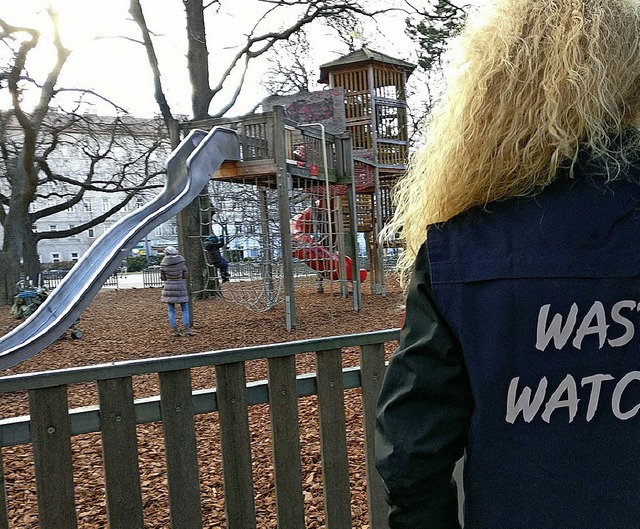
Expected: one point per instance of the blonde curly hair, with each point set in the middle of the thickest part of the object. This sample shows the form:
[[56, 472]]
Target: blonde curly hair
[[533, 82]]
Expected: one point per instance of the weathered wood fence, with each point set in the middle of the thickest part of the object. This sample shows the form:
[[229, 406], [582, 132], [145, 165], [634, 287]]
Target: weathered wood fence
[[50, 426]]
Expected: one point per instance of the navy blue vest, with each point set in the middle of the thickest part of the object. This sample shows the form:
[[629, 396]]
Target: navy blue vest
[[544, 296]]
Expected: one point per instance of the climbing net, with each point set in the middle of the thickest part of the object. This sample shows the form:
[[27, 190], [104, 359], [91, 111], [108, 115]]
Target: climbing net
[[246, 214]]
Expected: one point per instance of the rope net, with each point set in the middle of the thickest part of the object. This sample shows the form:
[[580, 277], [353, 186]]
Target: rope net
[[245, 214]]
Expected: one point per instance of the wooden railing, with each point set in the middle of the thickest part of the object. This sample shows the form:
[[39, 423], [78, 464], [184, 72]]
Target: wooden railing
[[256, 136], [50, 426]]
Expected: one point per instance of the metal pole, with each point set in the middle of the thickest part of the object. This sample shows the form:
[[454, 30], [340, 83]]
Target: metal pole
[[328, 195], [146, 248], [284, 215]]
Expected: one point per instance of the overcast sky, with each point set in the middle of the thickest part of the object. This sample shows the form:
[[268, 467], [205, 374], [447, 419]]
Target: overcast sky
[[118, 69]]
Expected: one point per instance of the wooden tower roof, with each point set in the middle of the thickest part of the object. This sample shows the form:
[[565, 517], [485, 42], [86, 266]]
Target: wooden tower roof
[[361, 57]]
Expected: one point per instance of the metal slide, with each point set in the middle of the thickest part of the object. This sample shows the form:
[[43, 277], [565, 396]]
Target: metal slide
[[189, 168]]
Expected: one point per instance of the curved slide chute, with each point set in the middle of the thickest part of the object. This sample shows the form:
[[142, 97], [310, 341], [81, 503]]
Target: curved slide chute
[[314, 255], [189, 168]]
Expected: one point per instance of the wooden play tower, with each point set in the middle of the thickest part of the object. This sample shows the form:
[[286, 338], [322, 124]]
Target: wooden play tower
[[316, 169], [374, 85], [280, 182]]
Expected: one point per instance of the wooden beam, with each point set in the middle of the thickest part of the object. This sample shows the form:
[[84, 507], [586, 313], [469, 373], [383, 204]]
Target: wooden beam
[[242, 169]]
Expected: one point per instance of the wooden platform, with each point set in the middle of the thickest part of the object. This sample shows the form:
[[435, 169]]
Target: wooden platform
[[263, 172]]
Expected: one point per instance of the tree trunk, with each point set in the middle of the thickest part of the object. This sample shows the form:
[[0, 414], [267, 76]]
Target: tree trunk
[[9, 277], [31, 260], [17, 231], [189, 221], [198, 58]]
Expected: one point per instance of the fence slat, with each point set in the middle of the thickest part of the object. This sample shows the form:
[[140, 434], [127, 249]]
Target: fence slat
[[333, 440], [236, 446], [371, 373], [51, 438], [180, 447], [4, 517], [285, 434], [120, 453]]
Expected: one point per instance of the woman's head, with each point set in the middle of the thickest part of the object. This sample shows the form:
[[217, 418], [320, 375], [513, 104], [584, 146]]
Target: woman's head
[[529, 82]]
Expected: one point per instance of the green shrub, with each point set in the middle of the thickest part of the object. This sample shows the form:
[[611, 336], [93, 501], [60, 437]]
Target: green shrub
[[137, 263]]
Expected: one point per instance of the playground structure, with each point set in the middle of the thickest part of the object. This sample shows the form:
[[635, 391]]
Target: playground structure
[[297, 171], [275, 200], [315, 174]]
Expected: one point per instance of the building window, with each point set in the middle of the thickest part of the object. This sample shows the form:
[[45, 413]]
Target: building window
[[74, 257], [106, 205], [53, 227], [91, 233], [75, 236], [71, 208], [139, 202], [158, 231], [88, 205], [55, 257], [238, 228], [34, 228]]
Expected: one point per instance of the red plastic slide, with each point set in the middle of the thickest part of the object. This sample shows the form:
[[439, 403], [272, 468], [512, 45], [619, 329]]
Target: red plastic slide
[[314, 255]]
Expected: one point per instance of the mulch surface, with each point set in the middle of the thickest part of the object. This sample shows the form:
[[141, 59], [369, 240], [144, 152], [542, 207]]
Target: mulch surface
[[132, 324]]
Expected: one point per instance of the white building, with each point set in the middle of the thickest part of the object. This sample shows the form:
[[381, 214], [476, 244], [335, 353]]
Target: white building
[[103, 157]]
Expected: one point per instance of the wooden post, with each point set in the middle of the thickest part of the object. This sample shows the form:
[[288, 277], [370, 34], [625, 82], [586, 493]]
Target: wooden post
[[120, 453], [371, 372], [51, 439], [284, 215], [341, 246], [285, 433], [4, 516], [349, 171], [267, 280], [235, 439], [181, 449], [333, 440], [377, 281]]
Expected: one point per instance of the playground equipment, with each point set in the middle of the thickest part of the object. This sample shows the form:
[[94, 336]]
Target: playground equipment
[[188, 171], [281, 168], [314, 254], [285, 168]]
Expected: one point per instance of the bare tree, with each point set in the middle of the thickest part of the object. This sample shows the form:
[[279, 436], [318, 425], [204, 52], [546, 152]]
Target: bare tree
[[291, 67], [36, 177], [223, 90]]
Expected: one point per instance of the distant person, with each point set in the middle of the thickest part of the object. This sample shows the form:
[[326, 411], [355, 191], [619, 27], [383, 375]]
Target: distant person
[[173, 271], [213, 244], [520, 348]]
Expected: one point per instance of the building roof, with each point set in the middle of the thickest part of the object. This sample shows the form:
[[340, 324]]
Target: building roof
[[362, 56]]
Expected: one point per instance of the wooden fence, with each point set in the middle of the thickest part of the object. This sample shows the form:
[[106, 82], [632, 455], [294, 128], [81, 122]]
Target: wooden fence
[[51, 425]]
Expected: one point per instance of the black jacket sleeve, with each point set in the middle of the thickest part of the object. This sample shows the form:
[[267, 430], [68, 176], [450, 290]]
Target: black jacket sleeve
[[424, 410]]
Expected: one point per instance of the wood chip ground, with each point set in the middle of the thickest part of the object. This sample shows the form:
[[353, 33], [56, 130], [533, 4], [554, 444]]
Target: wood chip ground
[[131, 324]]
